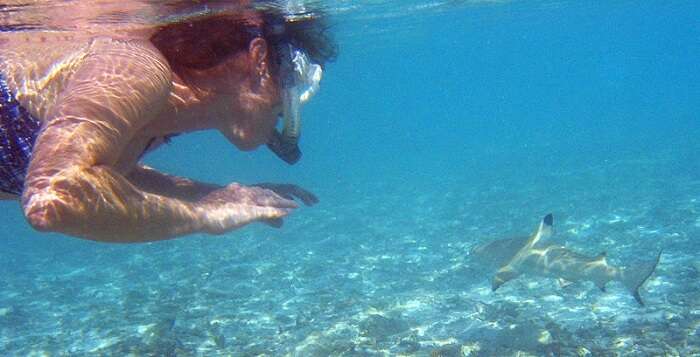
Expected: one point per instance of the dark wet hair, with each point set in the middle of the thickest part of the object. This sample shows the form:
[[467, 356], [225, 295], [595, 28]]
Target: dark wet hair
[[205, 41]]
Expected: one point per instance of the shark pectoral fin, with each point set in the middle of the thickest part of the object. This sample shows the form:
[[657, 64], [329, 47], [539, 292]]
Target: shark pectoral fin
[[564, 283], [503, 276], [634, 276]]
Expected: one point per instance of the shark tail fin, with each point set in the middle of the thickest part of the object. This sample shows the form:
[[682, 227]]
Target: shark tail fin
[[633, 277]]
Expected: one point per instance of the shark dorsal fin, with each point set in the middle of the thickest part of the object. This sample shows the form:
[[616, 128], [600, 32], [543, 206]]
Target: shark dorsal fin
[[601, 256], [510, 270], [543, 231]]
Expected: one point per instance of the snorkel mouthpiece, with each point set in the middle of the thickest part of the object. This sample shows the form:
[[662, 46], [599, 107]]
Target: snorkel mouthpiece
[[300, 80], [284, 147]]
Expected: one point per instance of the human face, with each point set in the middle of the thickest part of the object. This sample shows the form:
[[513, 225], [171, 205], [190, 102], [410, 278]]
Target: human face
[[242, 96]]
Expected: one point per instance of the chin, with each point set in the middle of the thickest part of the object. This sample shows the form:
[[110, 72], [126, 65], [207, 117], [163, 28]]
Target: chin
[[245, 145], [242, 140], [248, 144], [248, 147]]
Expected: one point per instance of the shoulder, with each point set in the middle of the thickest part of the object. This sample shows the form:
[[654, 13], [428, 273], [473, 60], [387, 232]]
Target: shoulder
[[134, 60], [45, 56], [126, 48], [38, 71]]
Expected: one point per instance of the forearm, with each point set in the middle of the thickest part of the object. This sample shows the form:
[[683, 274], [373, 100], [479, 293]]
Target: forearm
[[155, 182], [97, 203]]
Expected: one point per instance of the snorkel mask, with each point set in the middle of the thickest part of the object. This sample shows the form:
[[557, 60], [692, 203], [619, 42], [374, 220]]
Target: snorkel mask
[[300, 79]]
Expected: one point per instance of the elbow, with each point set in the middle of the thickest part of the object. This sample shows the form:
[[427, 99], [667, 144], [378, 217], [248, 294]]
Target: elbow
[[50, 211], [55, 204], [45, 215]]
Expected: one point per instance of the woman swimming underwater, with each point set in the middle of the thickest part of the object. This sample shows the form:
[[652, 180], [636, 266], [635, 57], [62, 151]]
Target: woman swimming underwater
[[79, 108]]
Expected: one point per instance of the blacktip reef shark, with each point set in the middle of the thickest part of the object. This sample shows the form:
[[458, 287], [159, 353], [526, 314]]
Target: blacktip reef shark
[[536, 256]]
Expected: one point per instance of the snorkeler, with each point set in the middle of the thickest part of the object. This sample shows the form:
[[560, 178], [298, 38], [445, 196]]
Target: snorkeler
[[79, 109]]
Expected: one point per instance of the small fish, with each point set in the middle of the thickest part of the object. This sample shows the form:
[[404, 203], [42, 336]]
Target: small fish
[[536, 256]]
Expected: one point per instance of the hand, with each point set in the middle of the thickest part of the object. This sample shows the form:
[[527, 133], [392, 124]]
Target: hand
[[234, 206], [290, 192]]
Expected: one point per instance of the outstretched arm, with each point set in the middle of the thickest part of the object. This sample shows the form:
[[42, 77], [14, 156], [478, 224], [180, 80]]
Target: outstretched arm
[[71, 186], [156, 182], [150, 180]]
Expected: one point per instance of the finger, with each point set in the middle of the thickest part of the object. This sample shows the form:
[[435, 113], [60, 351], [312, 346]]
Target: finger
[[265, 197], [286, 195], [305, 196], [248, 214], [270, 213], [281, 202], [274, 222], [281, 190]]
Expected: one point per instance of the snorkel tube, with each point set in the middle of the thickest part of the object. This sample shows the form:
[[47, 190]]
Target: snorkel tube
[[300, 79]]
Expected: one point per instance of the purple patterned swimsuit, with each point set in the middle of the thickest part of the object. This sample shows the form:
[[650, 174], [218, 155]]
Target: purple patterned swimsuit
[[18, 131]]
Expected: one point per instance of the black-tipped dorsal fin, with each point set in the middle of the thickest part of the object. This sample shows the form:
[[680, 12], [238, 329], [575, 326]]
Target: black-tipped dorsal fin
[[548, 220], [601, 256], [543, 231], [509, 270]]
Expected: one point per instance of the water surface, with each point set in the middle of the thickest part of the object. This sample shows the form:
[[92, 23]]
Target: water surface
[[442, 125]]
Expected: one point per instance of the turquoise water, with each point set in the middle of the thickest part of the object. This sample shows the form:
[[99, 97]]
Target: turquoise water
[[440, 126]]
